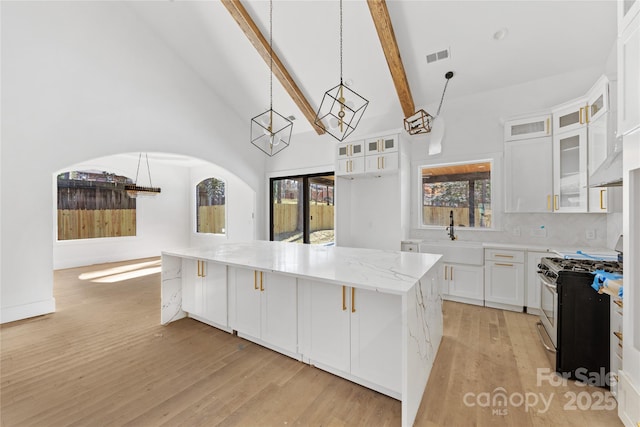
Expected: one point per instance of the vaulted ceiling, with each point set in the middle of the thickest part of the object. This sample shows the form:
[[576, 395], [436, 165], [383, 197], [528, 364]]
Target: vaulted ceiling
[[544, 38]]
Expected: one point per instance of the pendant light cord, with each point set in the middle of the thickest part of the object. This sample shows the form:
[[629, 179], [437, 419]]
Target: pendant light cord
[[148, 169], [341, 42], [442, 98]]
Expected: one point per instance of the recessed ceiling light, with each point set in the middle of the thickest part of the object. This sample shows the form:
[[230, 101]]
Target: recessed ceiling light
[[291, 117], [500, 34], [348, 82]]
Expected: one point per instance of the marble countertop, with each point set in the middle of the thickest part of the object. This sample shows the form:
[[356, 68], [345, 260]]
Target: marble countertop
[[392, 272]]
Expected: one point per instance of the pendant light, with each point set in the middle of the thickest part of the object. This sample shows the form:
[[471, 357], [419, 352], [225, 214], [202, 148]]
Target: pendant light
[[271, 131], [422, 122], [341, 108], [134, 190]]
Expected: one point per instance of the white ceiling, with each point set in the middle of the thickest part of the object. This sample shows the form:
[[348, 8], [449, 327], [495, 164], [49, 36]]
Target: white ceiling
[[544, 38]]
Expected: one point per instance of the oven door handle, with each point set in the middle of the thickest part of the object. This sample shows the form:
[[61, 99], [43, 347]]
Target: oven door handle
[[548, 283], [549, 349]]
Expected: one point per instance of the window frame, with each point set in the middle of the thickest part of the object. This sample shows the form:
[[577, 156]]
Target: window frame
[[194, 194], [492, 180]]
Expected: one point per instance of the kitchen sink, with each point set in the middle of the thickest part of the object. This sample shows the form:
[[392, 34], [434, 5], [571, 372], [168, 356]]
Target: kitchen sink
[[456, 252]]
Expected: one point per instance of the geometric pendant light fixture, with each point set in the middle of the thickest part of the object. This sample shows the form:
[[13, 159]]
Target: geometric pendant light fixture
[[341, 108], [422, 122], [271, 131]]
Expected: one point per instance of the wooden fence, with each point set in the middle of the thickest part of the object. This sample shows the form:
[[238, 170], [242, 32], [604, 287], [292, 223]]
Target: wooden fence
[[211, 219], [285, 217], [440, 216], [89, 224]]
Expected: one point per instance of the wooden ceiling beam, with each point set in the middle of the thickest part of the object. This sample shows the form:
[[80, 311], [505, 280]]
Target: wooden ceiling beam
[[382, 21], [250, 29]]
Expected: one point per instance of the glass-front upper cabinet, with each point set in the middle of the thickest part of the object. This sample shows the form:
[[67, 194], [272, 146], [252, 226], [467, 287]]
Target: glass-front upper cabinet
[[598, 100], [570, 116], [381, 145], [530, 127], [627, 10], [350, 149], [570, 171]]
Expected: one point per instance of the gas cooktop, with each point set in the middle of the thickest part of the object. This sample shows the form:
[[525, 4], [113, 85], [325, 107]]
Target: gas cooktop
[[583, 265]]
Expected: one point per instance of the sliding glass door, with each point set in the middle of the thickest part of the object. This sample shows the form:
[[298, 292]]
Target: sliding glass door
[[302, 209]]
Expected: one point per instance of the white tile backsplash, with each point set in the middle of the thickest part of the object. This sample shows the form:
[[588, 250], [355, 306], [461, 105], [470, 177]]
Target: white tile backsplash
[[552, 230]]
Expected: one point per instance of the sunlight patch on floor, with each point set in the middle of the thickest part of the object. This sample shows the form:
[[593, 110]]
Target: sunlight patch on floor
[[117, 270]]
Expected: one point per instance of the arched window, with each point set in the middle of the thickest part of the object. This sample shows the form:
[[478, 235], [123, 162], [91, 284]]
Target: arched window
[[210, 206], [94, 204]]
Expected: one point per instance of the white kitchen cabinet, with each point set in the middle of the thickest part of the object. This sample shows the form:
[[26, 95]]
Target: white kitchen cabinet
[[627, 10], [629, 78], [597, 100], [350, 149], [529, 175], [504, 279], [570, 117], [532, 284], [381, 164], [570, 171], [526, 128], [463, 283], [204, 291], [385, 144], [266, 308], [356, 332], [350, 166]]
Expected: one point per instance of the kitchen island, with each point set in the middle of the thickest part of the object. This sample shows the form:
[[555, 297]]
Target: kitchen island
[[373, 317]]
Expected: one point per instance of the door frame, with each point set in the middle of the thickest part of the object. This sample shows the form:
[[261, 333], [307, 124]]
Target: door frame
[[305, 196]]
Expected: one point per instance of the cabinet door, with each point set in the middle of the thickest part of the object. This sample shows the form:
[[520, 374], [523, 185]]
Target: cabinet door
[[330, 311], [570, 171], [248, 313], [190, 280], [381, 145], [531, 127], [466, 281], [570, 117], [214, 292], [351, 166], [350, 149], [597, 141], [629, 78], [627, 10], [376, 338], [504, 283], [532, 285], [597, 100], [599, 199], [381, 164], [279, 324], [529, 175]]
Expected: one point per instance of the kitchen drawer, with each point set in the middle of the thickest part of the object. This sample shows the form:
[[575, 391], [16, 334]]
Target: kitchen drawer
[[504, 255], [409, 247]]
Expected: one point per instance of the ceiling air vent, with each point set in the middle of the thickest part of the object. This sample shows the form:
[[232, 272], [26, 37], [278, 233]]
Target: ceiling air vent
[[438, 55]]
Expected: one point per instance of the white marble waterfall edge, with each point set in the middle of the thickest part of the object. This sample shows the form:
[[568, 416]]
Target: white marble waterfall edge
[[171, 290]]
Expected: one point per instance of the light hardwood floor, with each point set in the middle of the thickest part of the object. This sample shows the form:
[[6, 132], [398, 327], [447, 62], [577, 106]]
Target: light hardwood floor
[[104, 359]]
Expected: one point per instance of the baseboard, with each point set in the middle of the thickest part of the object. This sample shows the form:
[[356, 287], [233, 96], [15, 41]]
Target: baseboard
[[502, 306], [25, 311], [463, 300], [628, 401]]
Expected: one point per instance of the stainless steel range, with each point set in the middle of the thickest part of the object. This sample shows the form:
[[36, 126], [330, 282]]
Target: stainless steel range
[[575, 317]]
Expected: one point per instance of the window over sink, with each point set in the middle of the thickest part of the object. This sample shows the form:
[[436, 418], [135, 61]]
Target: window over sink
[[464, 188]]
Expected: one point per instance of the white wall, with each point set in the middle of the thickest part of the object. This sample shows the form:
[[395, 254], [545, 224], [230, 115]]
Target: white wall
[[474, 130], [82, 80], [240, 202], [162, 221]]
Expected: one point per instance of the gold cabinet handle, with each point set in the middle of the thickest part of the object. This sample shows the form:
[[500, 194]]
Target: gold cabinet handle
[[445, 272], [378, 162], [586, 113], [602, 198], [203, 273], [344, 298], [255, 280], [261, 283], [383, 163], [503, 256], [353, 300], [555, 202], [581, 110], [548, 126], [548, 202], [199, 268], [503, 265]]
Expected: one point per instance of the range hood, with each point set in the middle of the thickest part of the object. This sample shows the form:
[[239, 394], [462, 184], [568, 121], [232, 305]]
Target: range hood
[[609, 173]]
